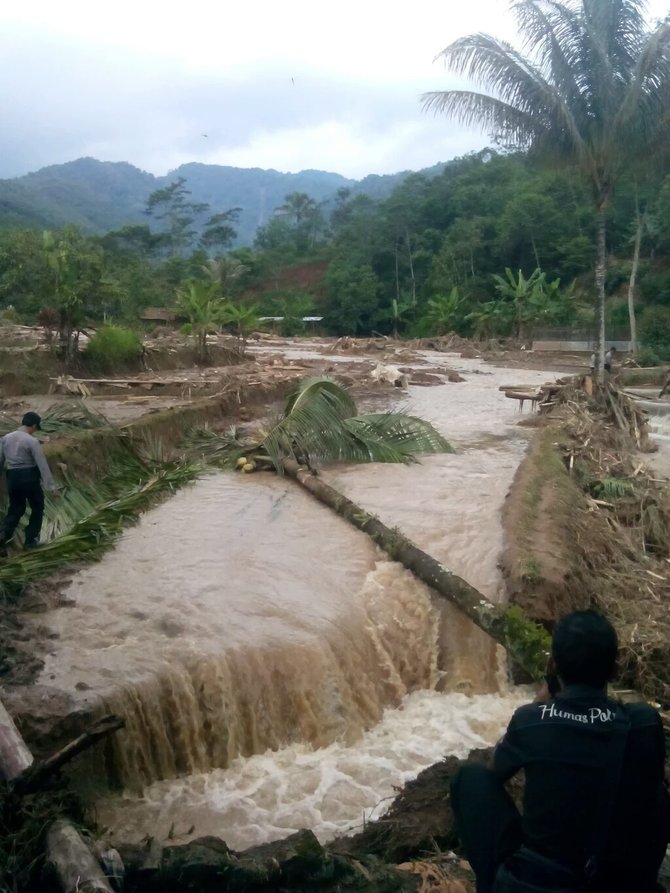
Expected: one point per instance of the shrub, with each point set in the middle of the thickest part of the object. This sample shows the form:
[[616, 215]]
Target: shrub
[[654, 329], [113, 347], [9, 316], [648, 357]]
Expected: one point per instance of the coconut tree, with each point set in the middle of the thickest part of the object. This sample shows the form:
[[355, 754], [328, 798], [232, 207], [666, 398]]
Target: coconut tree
[[320, 425], [200, 302], [590, 89]]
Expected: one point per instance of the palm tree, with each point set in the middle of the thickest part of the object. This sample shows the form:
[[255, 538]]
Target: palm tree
[[243, 320], [200, 303], [320, 425], [593, 90]]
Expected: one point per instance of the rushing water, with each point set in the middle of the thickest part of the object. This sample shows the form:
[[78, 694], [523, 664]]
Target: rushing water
[[275, 671]]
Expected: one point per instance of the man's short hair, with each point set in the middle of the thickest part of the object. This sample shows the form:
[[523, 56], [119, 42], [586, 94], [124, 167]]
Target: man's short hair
[[584, 647]]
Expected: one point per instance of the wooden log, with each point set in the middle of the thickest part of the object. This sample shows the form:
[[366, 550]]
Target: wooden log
[[76, 868], [35, 774], [15, 758], [73, 863]]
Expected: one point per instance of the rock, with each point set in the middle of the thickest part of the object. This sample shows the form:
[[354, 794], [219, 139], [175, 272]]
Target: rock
[[454, 377], [298, 863]]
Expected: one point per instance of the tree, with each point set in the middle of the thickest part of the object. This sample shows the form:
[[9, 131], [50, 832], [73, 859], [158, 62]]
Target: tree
[[353, 292], [219, 231], [173, 207], [444, 313], [78, 284], [305, 218], [243, 321], [593, 91], [199, 302]]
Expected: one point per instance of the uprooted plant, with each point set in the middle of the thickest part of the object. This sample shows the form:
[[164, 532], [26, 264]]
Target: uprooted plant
[[320, 425]]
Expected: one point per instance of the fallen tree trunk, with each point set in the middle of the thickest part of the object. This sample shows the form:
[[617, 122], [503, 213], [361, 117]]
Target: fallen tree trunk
[[37, 772], [75, 866], [15, 758], [491, 618]]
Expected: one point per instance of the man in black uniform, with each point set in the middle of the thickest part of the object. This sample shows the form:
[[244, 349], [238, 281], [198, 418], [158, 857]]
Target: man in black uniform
[[595, 812]]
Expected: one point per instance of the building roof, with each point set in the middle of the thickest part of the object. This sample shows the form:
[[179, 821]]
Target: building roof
[[158, 313]]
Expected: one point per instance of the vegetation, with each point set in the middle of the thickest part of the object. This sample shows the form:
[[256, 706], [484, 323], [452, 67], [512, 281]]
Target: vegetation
[[494, 245], [320, 425], [112, 348], [429, 259], [593, 93], [87, 519]]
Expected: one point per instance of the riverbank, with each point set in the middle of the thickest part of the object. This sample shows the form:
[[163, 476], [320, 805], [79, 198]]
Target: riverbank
[[454, 505]]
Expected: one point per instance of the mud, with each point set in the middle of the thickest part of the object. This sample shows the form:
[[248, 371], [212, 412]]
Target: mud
[[542, 518]]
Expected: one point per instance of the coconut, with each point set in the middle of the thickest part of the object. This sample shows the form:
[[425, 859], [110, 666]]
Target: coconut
[[242, 461], [250, 466]]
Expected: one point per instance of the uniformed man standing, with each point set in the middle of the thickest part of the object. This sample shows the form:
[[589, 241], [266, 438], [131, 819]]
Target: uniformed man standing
[[27, 470]]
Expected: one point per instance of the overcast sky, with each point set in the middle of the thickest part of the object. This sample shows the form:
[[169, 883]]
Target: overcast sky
[[289, 85]]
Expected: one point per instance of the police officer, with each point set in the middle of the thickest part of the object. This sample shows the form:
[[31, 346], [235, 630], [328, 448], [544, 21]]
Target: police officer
[[27, 469], [595, 808]]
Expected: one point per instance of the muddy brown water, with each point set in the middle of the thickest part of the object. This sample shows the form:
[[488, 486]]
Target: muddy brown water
[[274, 669]]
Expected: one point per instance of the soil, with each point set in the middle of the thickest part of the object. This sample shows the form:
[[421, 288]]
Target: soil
[[563, 550], [542, 575]]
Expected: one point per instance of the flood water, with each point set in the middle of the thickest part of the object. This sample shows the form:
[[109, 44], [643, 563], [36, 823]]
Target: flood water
[[274, 669]]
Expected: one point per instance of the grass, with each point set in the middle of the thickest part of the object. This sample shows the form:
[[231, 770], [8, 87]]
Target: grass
[[89, 518]]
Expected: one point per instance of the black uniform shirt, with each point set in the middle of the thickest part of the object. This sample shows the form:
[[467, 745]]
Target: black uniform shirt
[[562, 746]]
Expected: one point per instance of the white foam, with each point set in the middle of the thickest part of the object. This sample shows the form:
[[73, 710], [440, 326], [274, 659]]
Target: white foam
[[332, 790]]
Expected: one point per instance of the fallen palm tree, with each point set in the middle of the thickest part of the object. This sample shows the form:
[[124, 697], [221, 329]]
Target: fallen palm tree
[[319, 426]]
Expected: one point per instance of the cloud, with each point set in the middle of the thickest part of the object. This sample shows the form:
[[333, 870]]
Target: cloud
[[75, 101], [285, 85]]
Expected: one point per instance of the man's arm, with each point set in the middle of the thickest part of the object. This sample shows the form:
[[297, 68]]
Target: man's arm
[[42, 464], [507, 757], [2, 452]]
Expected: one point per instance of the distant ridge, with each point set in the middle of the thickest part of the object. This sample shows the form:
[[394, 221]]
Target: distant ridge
[[99, 196]]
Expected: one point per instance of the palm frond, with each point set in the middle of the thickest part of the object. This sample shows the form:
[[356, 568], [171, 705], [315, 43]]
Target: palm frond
[[492, 115], [520, 93], [319, 426], [215, 447], [99, 528], [62, 418], [322, 388], [614, 488], [311, 428], [393, 437]]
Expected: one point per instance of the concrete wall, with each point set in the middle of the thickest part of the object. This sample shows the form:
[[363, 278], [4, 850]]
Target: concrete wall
[[578, 346]]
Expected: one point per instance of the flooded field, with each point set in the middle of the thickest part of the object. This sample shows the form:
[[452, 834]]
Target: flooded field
[[275, 671]]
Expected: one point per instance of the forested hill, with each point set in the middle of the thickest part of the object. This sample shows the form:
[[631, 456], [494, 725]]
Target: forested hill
[[99, 196]]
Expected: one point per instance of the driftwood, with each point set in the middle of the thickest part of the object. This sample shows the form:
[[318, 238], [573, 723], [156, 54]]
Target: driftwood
[[75, 867], [469, 600], [35, 774], [15, 758], [74, 864]]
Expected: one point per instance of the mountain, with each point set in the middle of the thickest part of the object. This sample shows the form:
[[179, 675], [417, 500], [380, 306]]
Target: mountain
[[99, 196]]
